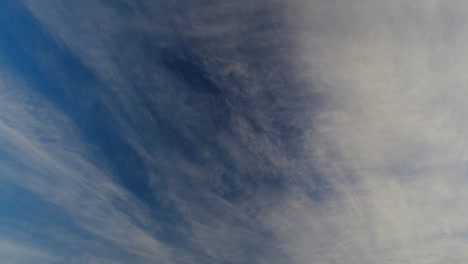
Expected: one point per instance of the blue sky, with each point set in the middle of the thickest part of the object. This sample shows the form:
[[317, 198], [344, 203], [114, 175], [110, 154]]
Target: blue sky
[[233, 131]]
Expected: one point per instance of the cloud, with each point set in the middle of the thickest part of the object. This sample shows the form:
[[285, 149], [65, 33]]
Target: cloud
[[390, 137], [170, 149], [13, 252], [48, 158], [254, 131]]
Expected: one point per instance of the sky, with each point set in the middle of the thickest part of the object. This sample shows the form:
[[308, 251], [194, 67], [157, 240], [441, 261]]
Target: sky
[[250, 131]]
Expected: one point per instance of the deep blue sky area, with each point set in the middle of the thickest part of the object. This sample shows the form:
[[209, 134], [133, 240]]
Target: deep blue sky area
[[256, 131]]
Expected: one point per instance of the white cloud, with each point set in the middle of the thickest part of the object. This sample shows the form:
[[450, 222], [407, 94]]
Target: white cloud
[[18, 253], [391, 137], [53, 162], [60, 168]]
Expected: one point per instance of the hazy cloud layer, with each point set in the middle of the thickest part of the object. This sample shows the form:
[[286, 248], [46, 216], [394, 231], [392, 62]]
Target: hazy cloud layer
[[391, 137]]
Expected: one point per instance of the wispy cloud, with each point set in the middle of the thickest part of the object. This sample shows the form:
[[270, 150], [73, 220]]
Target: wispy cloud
[[52, 161], [391, 136], [204, 143], [247, 131]]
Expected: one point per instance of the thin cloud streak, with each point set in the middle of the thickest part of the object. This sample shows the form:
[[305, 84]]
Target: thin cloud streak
[[52, 163]]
